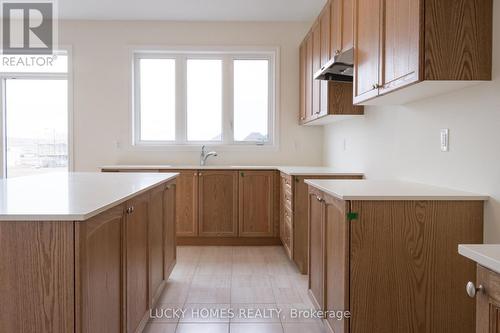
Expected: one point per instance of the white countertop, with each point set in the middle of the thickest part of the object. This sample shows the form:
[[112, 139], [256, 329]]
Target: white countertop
[[290, 170], [71, 196], [485, 255], [389, 190]]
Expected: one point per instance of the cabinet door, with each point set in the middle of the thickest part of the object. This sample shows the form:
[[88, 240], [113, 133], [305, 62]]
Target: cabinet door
[[309, 78], [336, 27], [325, 30], [169, 209], [488, 301], [256, 204], [187, 203], [218, 203], [316, 249], [401, 36], [348, 24], [156, 250], [136, 264], [367, 49], [336, 261], [316, 56], [302, 81]]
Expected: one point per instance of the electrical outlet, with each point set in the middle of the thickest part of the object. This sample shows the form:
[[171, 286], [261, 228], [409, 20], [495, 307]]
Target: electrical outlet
[[445, 140]]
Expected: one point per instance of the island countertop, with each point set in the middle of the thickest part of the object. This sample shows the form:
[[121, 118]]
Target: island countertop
[[486, 255], [390, 190], [74, 196]]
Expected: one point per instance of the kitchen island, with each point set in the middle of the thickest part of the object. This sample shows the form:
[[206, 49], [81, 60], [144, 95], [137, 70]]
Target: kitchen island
[[84, 252]]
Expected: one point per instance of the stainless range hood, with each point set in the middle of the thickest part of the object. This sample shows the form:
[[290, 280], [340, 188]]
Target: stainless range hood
[[340, 68]]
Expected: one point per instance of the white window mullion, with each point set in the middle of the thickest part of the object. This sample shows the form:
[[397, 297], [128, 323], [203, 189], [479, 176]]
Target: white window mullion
[[181, 100], [227, 106]]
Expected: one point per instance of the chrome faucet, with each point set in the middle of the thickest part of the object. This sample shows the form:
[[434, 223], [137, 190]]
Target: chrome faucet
[[204, 155]]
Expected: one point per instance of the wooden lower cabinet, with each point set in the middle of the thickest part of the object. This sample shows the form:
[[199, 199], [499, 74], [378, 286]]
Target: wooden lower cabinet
[[93, 276], [393, 265], [187, 203], [488, 301], [256, 204], [218, 203]]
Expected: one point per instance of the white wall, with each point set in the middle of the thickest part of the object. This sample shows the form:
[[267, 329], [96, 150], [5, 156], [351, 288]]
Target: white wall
[[102, 88], [403, 142]]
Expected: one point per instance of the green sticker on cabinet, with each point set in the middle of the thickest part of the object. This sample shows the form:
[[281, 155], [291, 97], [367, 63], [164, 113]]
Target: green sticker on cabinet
[[352, 216]]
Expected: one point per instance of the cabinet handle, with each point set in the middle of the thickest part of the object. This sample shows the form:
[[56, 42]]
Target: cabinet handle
[[130, 210], [319, 198], [337, 52], [472, 290], [242, 174], [199, 174]]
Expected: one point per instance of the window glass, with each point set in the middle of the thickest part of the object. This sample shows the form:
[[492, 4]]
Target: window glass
[[204, 100], [251, 100]]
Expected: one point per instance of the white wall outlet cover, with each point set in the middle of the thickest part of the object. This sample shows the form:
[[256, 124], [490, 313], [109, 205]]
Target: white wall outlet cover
[[445, 140]]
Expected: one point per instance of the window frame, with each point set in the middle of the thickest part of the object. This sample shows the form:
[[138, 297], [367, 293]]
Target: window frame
[[227, 55], [68, 76]]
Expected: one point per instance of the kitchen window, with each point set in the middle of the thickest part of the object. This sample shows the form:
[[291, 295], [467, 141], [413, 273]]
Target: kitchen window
[[190, 98], [35, 118]]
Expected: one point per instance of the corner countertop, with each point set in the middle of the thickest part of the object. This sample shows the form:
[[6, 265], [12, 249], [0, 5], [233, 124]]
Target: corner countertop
[[289, 170], [486, 255], [390, 190], [74, 196]]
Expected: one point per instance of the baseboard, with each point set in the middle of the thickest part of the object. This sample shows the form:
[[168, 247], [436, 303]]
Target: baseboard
[[228, 241]]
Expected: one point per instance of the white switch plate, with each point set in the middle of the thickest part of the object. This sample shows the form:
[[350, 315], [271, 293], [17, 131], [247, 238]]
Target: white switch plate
[[445, 140]]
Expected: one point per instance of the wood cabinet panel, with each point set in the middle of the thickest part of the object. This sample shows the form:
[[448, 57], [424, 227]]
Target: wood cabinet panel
[[488, 301], [367, 49], [136, 263], [218, 203], [325, 30], [302, 81], [316, 66], [256, 203], [187, 203], [401, 44], [336, 27], [336, 261], [100, 273], [426, 277], [156, 249], [347, 24], [169, 208], [309, 78], [316, 249], [37, 277]]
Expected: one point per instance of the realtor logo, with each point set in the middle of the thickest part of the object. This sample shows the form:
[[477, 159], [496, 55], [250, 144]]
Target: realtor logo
[[28, 27]]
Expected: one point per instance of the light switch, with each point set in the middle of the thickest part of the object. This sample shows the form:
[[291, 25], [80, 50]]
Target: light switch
[[445, 140]]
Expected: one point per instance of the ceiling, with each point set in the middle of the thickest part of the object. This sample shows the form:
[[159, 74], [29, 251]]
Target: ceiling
[[191, 10]]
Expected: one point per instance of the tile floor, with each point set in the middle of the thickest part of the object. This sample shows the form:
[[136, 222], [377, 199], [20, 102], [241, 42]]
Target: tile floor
[[233, 289]]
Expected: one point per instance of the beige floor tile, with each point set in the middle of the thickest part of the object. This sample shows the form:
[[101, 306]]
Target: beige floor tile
[[304, 328], [256, 328], [212, 288], [202, 328], [251, 289], [175, 292], [207, 313], [160, 328], [255, 313]]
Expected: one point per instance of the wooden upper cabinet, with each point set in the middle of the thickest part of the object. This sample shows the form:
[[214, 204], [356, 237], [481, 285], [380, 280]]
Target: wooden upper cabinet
[[136, 263], [347, 24], [401, 36], [302, 81], [309, 78], [335, 27], [187, 203], [429, 42], [316, 66], [218, 203], [325, 30], [256, 203], [367, 49]]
